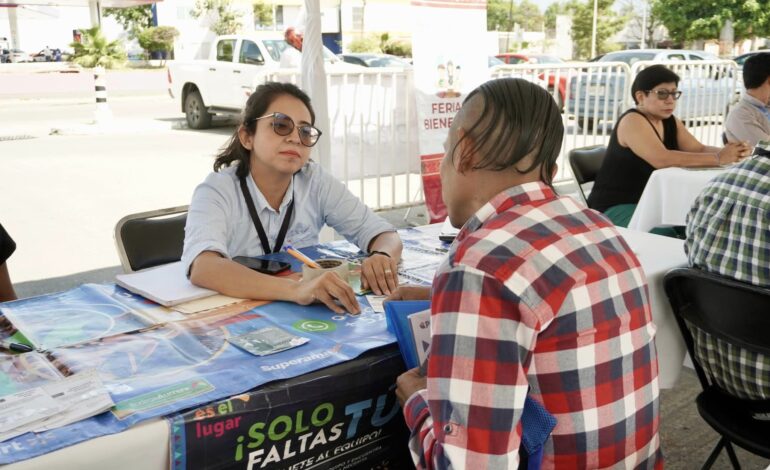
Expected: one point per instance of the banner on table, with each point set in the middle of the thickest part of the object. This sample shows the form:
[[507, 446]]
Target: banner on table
[[450, 60], [346, 416]]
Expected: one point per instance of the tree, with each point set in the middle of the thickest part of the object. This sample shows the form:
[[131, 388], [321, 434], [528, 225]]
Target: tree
[[608, 23], [690, 20], [263, 14], [95, 50], [503, 14], [158, 39], [637, 21], [225, 20], [133, 19], [555, 9]]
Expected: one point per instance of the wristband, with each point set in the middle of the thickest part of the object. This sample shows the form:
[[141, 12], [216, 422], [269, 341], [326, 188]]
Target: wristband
[[375, 252]]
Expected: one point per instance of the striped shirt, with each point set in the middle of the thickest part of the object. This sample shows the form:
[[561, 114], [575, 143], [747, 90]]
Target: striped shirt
[[728, 233], [538, 293]]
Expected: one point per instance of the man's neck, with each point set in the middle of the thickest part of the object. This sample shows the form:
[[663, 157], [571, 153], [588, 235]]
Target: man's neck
[[758, 94]]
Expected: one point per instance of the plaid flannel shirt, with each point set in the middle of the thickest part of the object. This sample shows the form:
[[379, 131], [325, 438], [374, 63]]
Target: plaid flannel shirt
[[538, 293], [728, 233]]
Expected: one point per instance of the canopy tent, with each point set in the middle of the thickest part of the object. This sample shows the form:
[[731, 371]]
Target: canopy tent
[[314, 78]]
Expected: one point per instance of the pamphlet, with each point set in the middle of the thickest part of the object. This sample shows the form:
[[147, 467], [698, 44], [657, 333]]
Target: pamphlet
[[266, 341], [80, 396], [376, 302], [21, 411], [420, 325]]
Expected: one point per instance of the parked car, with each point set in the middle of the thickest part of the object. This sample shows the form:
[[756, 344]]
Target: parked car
[[52, 55], [519, 58], [375, 60], [596, 95], [17, 55], [742, 58], [222, 83], [5, 56], [493, 61]]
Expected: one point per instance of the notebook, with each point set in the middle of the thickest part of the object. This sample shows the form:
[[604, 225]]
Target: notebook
[[167, 284]]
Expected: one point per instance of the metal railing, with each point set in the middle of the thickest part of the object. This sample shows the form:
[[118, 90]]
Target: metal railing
[[373, 120]]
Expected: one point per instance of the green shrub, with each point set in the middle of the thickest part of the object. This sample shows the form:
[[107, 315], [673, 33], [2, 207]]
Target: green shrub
[[366, 44], [157, 38], [94, 49]]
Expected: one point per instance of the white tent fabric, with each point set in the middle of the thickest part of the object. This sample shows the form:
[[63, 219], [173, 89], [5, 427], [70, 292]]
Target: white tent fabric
[[314, 79]]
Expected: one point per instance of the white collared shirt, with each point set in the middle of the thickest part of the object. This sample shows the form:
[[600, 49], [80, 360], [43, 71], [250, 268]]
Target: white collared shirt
[[219, 220]]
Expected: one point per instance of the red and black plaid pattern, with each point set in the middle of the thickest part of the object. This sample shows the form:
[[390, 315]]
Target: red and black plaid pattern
[[541, 294]]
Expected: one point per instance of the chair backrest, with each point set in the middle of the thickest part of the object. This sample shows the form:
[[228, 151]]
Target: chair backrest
[[585, 163], [152, 238], [728, 310]]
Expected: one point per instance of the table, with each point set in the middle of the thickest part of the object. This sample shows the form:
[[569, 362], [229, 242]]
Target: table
[[658, 255], [145, 446], [668, 196]]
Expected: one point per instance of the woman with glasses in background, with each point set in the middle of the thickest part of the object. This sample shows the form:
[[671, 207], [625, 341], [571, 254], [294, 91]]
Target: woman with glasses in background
[[266, 165], [646, 138]]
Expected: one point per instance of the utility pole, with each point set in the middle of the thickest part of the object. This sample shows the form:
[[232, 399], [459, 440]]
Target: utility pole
[[593, 30], [643, 45]]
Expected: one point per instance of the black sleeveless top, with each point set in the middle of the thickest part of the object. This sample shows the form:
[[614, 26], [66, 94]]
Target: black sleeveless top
[[623, 175]]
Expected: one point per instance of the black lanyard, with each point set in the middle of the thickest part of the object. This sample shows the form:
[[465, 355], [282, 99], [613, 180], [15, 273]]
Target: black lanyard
[[258, 225]]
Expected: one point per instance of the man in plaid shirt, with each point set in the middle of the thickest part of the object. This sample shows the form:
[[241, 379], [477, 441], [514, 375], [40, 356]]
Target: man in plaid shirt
[[728, 233], [540, 296]]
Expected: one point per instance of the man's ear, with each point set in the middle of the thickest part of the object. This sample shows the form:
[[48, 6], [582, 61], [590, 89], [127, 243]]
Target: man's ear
[[247, 140], [465, 157]]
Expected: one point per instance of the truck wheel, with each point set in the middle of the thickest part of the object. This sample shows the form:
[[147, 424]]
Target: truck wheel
[[195, 111]]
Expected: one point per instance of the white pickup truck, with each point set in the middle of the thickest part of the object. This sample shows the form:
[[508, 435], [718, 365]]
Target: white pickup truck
[[221, 84]]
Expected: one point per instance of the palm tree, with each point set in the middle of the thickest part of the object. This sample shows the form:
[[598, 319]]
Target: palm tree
[[95, 50]]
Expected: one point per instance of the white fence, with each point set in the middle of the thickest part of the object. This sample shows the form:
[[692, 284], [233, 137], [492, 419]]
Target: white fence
[[374, 138]]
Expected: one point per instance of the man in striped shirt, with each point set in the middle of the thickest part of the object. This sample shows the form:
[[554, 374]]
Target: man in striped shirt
[[538, 296]]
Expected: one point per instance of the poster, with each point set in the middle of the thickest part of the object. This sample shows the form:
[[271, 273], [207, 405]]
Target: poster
[[450, 60]]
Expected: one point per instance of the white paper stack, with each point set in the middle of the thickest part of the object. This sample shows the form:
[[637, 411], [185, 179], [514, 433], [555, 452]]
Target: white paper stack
[[53, 405]]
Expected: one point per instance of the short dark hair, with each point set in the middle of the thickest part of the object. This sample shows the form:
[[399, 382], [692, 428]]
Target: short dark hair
[[651, 77], [517, 118], [756, 69], [256, 106]]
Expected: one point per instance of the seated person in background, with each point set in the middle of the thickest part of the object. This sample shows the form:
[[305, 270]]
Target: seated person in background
[[291, 57], [647, 138], [7, 247], [749, 120], [728, 233], [538, 295], [267, 160]]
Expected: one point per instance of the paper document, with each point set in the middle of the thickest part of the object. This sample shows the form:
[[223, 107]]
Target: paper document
[[167, 285], [376, 302], [420, 324], [20, 411], [80, 396]]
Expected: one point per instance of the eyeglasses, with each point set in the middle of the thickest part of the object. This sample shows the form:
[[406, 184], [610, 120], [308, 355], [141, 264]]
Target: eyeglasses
[[283, 125], [664, 94]]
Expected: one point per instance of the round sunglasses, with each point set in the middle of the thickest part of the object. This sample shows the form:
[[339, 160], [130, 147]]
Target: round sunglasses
[[283, 125]]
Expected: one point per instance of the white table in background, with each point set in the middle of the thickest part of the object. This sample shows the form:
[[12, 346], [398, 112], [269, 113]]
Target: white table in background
[[658, 255], [668, 196]]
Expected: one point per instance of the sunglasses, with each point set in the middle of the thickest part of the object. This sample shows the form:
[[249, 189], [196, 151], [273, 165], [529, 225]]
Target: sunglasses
[[664, 94], [283, 125]]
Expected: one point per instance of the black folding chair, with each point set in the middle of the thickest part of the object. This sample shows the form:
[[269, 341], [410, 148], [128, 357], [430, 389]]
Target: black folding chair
[[736, 316], [152, 238], [585, 163]]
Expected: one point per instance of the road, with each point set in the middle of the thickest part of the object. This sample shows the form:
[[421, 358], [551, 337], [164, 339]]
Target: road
[[60, 196]]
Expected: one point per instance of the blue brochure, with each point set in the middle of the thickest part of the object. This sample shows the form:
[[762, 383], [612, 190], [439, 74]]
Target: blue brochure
[[396, 313]]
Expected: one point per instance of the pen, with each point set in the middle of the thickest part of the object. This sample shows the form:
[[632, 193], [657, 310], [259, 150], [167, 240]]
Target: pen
[[16, 347], [295, 253]]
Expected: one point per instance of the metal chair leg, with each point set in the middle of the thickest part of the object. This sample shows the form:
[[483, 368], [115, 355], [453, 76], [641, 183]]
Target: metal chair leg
[[714, 454], [733, 457]]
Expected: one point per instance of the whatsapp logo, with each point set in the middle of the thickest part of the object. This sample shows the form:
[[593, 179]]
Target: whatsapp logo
[[314, 326]]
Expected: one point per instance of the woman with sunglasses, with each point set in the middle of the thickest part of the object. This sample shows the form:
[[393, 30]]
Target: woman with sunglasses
[[265, 193], [646, 138]]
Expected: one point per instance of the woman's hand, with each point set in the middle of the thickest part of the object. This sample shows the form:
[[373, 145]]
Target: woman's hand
[[410, 293], [733, 152], [327, 288], [380, 274]]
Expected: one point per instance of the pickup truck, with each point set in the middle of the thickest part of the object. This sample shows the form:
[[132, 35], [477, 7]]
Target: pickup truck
[[221, 84]]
